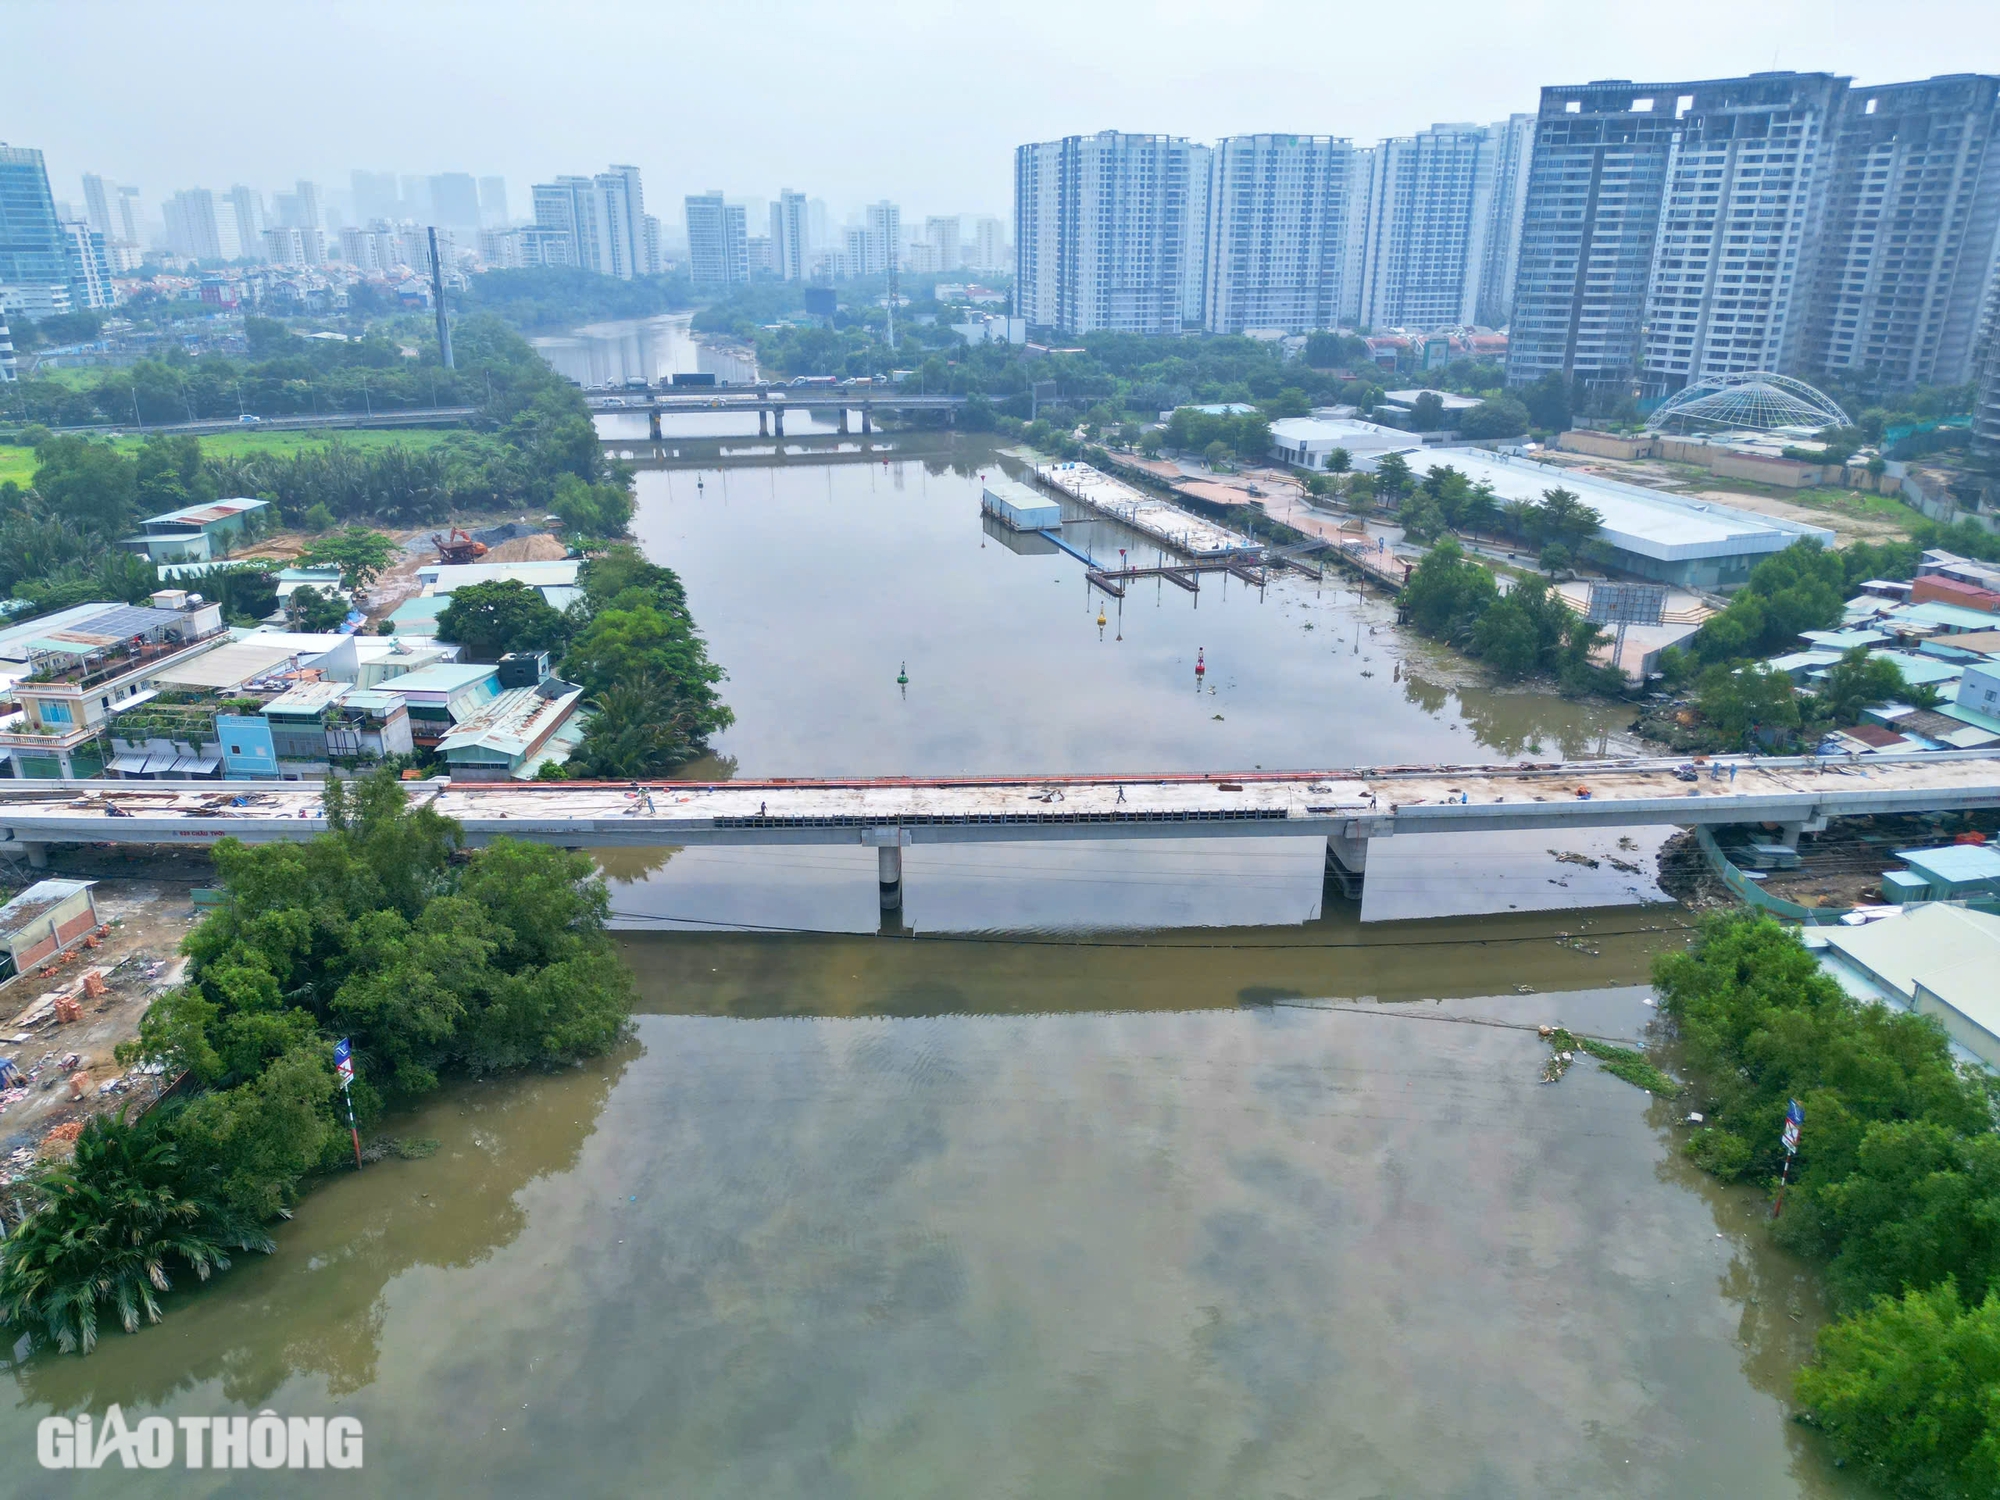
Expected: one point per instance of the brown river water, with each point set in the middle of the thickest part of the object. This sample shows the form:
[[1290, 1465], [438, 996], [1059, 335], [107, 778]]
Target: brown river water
[[1116, 1170]]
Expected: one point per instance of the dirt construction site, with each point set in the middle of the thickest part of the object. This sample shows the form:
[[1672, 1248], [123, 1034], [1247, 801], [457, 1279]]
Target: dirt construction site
[[62, 1020]]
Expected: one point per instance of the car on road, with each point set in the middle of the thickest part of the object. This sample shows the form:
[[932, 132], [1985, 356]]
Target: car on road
[[248, 420]]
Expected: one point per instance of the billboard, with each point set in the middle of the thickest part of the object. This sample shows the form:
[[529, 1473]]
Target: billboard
[[1626, 603]]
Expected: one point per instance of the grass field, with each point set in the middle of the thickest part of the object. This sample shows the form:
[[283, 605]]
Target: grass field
[[18, 463]]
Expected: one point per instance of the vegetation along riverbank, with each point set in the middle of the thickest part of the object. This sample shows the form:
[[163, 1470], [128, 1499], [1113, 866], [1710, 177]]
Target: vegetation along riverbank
[[1895, 1192], [429, 958]]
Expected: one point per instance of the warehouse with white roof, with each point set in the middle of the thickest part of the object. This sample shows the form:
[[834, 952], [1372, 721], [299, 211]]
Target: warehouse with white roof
[[1671, 539]]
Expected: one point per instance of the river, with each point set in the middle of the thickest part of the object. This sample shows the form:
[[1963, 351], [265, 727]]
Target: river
[[1122, 1169]]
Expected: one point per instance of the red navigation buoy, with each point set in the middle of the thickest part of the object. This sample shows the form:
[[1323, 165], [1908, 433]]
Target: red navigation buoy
[[1200, 662]]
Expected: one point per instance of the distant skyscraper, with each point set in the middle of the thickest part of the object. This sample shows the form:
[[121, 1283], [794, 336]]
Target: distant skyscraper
[[32, 257], [89, 269], [493, 202], [454, 200], [791, 237], [376, 195], [1110, 232], [569, 206], [289, 245], [1277, 223], [246, 208], [97, 195], [191, 226], [718, 244], [989, 244], [941, 234], [621, 210], [885, 237], [7, 367], [1986, 374], [1912, 232]]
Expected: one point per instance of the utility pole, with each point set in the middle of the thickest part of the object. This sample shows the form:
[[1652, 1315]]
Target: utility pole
[[437, 299]]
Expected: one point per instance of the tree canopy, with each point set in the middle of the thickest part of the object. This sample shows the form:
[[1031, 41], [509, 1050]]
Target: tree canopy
[[492, 619]]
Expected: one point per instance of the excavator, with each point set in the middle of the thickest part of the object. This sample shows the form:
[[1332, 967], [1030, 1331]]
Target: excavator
[[458, 547]]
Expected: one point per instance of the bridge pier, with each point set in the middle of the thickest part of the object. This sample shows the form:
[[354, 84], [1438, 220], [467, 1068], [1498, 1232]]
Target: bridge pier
[[1788, 833], [843, 421], [867, 424], [38, 854], [763, 422], [889, 875], [1347, 863], [653, 423], [778, 420]]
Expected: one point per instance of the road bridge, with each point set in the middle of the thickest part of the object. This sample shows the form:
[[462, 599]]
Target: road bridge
[[1347, 808], [423, 416], [770, 403]]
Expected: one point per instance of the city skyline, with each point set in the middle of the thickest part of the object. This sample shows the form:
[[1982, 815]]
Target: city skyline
[[1179, 74]]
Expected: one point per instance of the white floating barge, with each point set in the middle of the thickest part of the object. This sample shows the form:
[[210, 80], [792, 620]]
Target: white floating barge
[[1018, 507], [1173, 528]]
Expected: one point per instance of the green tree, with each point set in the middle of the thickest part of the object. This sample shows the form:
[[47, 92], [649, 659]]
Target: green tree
[[1506, 639], [592, 510], [90, 484], [1215, 454], [310, 610], [115, 1225], [1737, 701], [1427, 412], [492, 619], [1911, 1390], [1855, 682], [1448, 592], [1339, 461], [1500, 417], [1547, 400], [1555, 558], [1562, 517], [1392, 475], [360, 553]]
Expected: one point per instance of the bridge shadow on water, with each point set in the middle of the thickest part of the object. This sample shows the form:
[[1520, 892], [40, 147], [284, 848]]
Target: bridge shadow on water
[[897, 972]]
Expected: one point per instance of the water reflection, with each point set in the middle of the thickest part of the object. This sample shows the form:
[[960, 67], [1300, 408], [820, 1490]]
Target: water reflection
[[317, 1307], [649, 349]]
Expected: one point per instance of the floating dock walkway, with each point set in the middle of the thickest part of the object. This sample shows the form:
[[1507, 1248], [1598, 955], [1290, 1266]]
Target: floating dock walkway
[[1173, 528]]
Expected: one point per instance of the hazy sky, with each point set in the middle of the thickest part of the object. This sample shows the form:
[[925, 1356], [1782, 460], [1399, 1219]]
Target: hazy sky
[[846, 99]]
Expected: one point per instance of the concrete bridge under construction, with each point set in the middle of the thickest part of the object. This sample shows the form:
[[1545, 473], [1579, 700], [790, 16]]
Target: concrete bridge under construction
[[1347, 808], [770, 404]]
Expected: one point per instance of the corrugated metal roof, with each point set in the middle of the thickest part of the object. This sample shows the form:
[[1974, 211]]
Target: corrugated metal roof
[[36, 899], [1929, 939], [227, 666], [513, 722], [1955, 863], [308, 698], [198, 515]]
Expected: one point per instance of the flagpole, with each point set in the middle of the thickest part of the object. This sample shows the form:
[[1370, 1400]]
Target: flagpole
[[352, 1129]]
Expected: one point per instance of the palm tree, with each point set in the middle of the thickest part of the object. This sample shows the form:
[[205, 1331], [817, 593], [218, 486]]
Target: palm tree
[[113, 1225]]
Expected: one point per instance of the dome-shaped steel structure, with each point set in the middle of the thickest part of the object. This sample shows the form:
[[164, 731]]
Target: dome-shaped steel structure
[[1762, 402]]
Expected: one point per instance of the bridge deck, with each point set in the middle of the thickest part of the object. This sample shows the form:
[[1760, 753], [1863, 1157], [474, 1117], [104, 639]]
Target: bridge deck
[[1355, 803]]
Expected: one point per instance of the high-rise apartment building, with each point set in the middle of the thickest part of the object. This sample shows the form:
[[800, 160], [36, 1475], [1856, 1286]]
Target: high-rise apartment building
[[885, 237], [604, 218], [1278, 209], [988, 249], [246, 209], [791, 237], [191, 225], [1912, 233], [941, 234], [1428, 218], [455, 200], [1743, 202], [493, 202], [1110, 232], [621, 206], [8, 371], [289, 245], [306, 196], [89, 268], [1785, 221], [1986, 372], [718, 243], [1595, 182], [1511, 143], [32, 259]]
